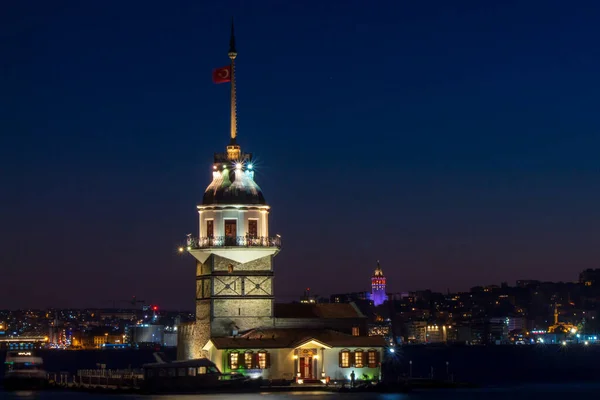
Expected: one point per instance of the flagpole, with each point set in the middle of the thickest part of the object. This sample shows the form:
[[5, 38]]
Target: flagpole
[[232, 56]]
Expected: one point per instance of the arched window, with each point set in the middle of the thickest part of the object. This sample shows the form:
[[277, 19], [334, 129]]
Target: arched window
[[359, 358], [263, 359], [249, 359], [234, 360], [372, 358], [345, 358]]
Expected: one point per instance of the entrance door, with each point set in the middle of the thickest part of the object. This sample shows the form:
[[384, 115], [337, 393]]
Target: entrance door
[[230, 232], [306, 364]]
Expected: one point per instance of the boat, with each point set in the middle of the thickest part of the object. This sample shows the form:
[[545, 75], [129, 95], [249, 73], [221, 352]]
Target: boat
[[194, 376], [24, 371]]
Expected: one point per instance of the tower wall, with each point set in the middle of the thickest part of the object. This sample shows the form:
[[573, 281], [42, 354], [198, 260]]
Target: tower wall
[[242, 214], [230, 296]]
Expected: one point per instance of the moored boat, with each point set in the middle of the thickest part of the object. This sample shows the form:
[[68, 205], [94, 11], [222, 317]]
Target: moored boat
[[194, 376], [24, 371]]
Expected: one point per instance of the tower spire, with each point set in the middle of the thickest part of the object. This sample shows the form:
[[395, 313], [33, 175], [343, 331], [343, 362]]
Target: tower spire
[[232, 55]]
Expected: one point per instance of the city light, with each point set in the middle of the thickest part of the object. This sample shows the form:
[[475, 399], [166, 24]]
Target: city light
[[250, 166], [181, 249], [392, 351], [238, 166]]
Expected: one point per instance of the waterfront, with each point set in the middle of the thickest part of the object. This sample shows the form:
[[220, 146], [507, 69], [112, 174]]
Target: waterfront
[[482, 365], [547, 391]]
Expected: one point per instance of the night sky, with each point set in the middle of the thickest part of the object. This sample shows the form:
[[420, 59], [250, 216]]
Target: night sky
[[456, 143]]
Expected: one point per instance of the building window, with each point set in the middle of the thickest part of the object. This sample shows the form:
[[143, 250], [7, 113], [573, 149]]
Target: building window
[[345, 358], [372, 358], [263, 360], [210, 228], [191, 371], [234, 360], [248, 358], [359, 361], [253, 228], [355, 331], [201, 370]]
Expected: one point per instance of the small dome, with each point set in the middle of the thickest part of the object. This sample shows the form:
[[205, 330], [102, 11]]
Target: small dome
[[233, 187]]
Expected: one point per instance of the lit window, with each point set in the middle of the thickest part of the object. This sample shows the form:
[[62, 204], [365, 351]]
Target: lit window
[[355, 331], [233, 360], [191, 371], [253, 228], [263, 360], [359, 358], [201, 370], [248, 358], [345, 359], [372, 361], [210, 228]]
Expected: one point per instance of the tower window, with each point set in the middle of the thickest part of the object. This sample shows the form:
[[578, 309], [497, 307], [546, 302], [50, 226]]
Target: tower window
[[210, 228], [230, 232], [253, 228], [355, 331]]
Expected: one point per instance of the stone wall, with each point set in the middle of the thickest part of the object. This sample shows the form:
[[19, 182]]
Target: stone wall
[[190, 341], [260, 264]]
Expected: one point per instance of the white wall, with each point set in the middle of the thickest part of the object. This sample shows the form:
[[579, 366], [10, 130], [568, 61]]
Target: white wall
[[241, 215], [284, 365]]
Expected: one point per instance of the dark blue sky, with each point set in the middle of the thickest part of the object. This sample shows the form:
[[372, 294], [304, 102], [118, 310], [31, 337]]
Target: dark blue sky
[[457, 143]]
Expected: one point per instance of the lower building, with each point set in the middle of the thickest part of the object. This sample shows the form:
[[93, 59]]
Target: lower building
[[303, 355]]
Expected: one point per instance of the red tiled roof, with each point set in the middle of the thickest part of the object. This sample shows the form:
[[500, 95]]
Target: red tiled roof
[[290, 338]]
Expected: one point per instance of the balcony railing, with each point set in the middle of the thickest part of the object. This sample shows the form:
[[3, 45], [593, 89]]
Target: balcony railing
[[233, 241]]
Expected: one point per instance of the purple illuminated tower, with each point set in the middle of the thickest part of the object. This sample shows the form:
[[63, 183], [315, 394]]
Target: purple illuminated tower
[[378, 287]]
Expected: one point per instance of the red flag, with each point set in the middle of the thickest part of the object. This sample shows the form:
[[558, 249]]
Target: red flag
[[222, 75]]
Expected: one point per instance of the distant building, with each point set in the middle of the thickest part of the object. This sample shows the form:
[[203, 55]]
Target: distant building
[[590, 277], [350, 297], [147, 333], [523, 283], [378, 294]]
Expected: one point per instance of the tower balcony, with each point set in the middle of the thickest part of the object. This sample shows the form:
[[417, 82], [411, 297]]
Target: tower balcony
[[194, 243]]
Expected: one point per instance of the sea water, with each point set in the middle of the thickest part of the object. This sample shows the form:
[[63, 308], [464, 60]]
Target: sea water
[[522, 392]]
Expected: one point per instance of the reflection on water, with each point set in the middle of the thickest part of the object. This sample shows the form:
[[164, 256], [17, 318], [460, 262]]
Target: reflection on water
[[546, 391]]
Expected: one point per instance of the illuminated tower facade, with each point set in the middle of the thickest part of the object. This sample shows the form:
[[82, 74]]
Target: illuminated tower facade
[[378, 294], [233, 249]]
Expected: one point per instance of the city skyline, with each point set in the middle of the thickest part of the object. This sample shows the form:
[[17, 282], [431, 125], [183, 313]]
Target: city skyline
[[464, 166]]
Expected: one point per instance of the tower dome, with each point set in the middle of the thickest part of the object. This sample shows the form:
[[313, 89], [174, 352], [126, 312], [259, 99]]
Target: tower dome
[[233, 184]]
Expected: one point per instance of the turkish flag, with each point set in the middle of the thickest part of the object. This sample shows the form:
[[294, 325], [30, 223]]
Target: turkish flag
[[222, 75]]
